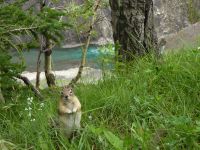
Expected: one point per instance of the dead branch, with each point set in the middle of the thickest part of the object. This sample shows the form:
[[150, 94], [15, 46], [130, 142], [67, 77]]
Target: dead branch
[[29, 84], [21, 29]]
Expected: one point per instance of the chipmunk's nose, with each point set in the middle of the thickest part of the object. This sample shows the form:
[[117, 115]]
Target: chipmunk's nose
[[66, 97]]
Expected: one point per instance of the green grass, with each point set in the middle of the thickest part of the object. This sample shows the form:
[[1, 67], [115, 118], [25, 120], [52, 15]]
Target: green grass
[[148, 105]]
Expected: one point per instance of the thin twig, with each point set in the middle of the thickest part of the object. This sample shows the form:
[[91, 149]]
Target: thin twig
[[21, 29]]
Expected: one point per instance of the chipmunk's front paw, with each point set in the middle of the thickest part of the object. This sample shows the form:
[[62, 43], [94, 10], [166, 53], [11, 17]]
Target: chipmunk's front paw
[[74, 110], [69, 111]]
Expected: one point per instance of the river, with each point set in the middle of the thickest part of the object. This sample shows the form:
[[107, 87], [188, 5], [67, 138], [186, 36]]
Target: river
[[62, 58]]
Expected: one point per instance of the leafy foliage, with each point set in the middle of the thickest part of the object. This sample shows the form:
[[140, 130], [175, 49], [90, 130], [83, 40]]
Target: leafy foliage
[[20, 30]]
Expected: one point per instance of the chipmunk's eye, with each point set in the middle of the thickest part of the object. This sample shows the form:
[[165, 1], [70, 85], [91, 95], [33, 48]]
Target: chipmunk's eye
[[70, 91]]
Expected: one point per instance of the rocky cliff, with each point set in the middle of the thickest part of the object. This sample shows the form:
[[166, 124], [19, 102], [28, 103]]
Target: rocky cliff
[[170, 17], [103, 31]]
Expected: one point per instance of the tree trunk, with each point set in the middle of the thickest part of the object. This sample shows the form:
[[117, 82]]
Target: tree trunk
[[133, 28], [50, 78], [37, 82], [47, 49], [2, 100]]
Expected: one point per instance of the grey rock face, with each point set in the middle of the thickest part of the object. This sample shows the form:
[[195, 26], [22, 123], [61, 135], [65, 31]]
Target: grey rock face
[[102, 28], [170, 16], [187, 37], [173, 24]]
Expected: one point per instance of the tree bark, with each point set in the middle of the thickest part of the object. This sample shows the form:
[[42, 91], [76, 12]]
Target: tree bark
[[50, 78], [2, 100], [37, 83], [47, 49], [133, 28]]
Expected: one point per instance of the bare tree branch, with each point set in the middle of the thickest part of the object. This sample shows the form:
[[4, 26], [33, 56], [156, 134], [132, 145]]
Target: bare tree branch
[[29, 84], [85, 48], [21, 29]]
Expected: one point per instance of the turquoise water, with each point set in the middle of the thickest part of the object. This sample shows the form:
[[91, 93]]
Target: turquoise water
[[75, 54], [62, 58]]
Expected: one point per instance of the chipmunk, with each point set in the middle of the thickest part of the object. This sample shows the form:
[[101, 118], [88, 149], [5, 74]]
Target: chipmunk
[[69, 112]]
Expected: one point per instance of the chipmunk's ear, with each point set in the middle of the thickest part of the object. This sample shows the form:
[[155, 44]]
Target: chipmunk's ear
[[70, 85]]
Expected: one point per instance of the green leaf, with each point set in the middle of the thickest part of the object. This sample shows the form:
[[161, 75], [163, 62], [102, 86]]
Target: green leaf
[[115, 141], [96, 131]]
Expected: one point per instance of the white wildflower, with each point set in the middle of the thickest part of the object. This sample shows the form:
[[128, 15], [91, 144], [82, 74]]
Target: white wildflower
[[100, 139], [90, 117], [29, 108], [42, 105], [198, 48], [32, 120], [26, 108], [30, 99]]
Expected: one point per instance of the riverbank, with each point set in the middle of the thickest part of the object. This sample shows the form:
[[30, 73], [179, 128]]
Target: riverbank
[[90, 75]]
